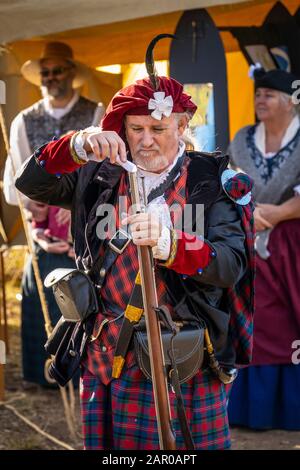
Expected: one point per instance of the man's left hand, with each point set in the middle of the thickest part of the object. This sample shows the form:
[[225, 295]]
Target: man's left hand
[[145, 228]]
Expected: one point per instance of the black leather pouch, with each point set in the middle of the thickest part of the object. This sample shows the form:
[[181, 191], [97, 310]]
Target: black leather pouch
[[188, 347], [74, 293]]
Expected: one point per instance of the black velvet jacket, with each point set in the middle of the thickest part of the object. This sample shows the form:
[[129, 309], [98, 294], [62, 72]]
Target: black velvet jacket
[[202, 295]]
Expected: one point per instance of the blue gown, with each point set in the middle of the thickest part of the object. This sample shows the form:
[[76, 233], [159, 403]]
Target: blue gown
[[266, 397]]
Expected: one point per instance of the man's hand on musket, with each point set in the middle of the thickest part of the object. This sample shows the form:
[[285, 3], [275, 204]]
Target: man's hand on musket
[[104, 144], [145, 228]]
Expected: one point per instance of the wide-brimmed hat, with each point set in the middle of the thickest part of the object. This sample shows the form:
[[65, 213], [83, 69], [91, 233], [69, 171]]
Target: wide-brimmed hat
[[54, 50]]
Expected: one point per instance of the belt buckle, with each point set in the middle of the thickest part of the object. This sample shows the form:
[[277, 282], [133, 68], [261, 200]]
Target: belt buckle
[[115, 248]]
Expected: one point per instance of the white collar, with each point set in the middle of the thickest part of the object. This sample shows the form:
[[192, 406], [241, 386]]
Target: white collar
[[260, 136], [58, 113]]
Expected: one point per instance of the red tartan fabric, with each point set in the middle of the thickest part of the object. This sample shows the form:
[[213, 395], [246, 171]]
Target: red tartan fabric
[[122, 414], [239, 185], [101, 352], [241, 295]]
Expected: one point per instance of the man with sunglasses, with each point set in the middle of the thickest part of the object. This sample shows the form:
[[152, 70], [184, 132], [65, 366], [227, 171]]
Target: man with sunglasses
[[60, 110]]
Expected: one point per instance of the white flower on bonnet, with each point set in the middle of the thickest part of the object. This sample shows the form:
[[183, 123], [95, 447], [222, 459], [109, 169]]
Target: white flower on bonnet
[[162, 105], [253, 68]]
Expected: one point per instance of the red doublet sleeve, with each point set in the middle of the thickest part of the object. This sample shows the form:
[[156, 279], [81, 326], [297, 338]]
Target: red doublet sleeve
[[56, 157], [192, 254]]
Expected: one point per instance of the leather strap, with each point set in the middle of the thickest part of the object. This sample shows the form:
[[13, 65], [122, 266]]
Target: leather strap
[[102, 265], [132, 316]]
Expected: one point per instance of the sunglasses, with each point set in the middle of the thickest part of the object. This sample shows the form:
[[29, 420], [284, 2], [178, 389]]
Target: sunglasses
[[56, 71]]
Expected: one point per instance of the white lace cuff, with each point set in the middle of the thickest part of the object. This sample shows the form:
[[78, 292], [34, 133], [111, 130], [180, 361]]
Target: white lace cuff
[[162, 249], [297, 190], [79, 142]]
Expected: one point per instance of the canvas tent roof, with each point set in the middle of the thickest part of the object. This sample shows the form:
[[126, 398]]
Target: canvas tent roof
[[97, 42], [24, 19]]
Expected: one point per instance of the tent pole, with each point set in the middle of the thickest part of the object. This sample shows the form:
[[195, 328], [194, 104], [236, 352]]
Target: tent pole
[[2, 359], [3, 297], [2, 362]]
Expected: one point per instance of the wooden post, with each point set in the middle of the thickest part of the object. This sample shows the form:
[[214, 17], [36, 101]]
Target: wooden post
[[2, 362], [3, 297], [2, 357]]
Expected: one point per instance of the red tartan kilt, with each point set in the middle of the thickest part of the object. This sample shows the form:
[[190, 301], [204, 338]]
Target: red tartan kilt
[[121, 415]]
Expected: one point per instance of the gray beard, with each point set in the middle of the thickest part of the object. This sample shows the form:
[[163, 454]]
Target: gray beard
[[57, 92], [156, 164]]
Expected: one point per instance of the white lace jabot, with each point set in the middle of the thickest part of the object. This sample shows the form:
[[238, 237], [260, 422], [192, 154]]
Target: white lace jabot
[[152, 181]]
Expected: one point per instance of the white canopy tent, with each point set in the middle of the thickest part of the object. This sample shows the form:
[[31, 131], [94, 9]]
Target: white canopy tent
[[24, 19]]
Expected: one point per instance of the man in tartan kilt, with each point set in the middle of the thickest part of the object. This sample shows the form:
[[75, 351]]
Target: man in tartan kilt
[[145, 123]]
